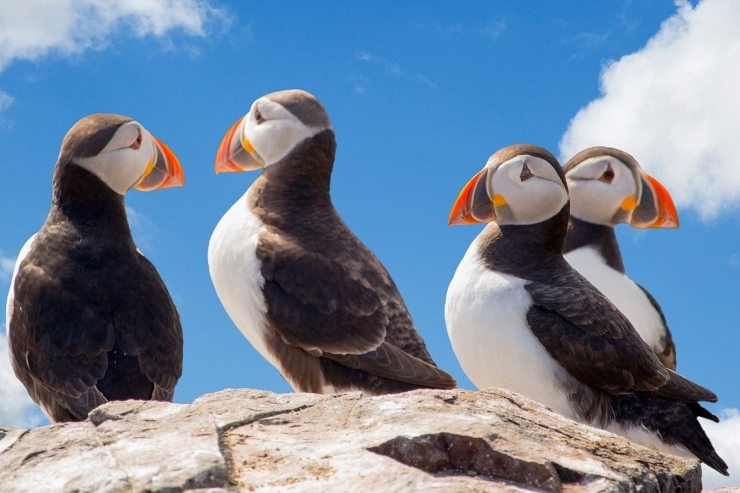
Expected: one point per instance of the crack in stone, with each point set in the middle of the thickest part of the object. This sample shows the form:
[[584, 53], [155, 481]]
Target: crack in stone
[[17, 439], [223, 430], [452, 454], [129, 482]]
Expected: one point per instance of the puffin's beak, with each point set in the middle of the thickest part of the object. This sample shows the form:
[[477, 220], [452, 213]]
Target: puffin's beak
[[236, 152], [474, 204], [164, 169], [656, 208]]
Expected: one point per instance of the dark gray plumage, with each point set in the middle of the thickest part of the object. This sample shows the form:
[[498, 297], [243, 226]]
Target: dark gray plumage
[[90, 320], [333, 318]]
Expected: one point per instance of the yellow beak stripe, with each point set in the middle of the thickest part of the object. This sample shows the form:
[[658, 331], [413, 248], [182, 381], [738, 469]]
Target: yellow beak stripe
[[629, 204], [499, 200]]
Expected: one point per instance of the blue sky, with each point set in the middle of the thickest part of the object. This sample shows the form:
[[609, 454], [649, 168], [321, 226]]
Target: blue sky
[[420, 94]]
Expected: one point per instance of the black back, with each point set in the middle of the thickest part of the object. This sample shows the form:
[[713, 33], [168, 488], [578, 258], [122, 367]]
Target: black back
[[327, 295], [91, 318]]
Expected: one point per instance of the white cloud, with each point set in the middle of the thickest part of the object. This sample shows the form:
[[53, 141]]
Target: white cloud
[[5, 100], [359, 82], [142, 229], [17, 410], [725, 436], [6, 267], [495, 29], [30, 30], [674, 106], [390, 68]]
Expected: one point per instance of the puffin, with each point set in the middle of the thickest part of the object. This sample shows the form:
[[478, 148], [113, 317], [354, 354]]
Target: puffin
[[308, 295], [520, 317], [89, 320], [607, 186]]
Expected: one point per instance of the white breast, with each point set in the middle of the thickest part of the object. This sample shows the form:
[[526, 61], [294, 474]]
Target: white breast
[[485, 312], [623, 292], [235, 272], [11, 292]]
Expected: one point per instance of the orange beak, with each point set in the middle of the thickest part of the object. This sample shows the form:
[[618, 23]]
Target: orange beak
[[656, 208], [473, 204], [164, 169], [236, 152]]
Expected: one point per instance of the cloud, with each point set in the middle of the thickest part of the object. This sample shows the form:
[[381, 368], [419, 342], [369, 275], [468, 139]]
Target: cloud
[[725, 436], [673, 106], [142, 229], [495, 29], [30, 30], [366, 57], [359, 82], [390, 69], [588, 40], [5, 100], [17, 410], [7, 264]]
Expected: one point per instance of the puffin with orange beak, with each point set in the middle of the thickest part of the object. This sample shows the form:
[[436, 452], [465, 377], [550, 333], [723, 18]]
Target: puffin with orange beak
[[607, 187], [89, 319], [520, 317], [302, 288]]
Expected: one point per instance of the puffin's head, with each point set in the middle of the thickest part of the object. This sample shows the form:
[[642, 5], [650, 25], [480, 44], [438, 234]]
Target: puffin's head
[[608, 187], [274, 126], [520, 184], [121, 153]]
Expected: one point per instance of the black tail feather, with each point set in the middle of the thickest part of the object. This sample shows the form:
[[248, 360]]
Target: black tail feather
[[700, 412], [674, 422]]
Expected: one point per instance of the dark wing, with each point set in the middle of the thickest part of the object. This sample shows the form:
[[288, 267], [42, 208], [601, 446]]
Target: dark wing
[[586, 334], [667, 355], [344, 307], [390, 362], [150, 329], [57, 339]]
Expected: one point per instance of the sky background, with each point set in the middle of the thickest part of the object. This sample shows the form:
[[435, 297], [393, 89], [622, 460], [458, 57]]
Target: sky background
[[420, 94]]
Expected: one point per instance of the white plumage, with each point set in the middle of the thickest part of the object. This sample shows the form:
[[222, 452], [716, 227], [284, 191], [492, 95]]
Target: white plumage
[[485, 313], [235, 272], [623, 292]]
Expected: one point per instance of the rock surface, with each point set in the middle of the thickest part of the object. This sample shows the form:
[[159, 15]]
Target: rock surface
[[249, 440]]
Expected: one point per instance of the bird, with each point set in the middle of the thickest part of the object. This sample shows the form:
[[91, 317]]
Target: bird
[[520, 317], [607, 186], [89, 320], [308, 295]]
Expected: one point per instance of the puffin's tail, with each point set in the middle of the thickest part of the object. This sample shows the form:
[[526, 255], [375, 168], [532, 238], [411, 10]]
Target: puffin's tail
[[675, 423]]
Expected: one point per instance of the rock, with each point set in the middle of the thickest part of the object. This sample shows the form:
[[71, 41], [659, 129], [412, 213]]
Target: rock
[[249, 440]]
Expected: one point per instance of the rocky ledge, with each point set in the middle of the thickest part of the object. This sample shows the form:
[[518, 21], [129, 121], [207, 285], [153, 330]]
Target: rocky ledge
[[249, 440]]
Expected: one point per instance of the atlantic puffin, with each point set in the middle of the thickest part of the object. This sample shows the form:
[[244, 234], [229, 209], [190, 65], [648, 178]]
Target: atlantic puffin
[[607, 186], [89, 319], [520, 317], [307, 294]]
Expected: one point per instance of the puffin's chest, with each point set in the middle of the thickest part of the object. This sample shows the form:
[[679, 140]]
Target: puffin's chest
[[485, 313], [236, 274]]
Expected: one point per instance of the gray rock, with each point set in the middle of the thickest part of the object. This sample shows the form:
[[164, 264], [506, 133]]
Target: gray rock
[[249, 440]]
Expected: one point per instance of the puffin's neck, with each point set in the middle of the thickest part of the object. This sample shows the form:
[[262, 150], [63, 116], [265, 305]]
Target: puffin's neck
[[81, 198], [583, 233], [299, 183], [525, 250]]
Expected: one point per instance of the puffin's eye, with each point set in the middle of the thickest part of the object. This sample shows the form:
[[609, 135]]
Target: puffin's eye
[[258, 116], [526, 173], [137, 142], [608, 175]]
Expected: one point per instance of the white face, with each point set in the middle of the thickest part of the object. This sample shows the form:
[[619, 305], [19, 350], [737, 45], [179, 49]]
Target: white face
[[599, 187], [123, 161], [531, 189], [273, 131]]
